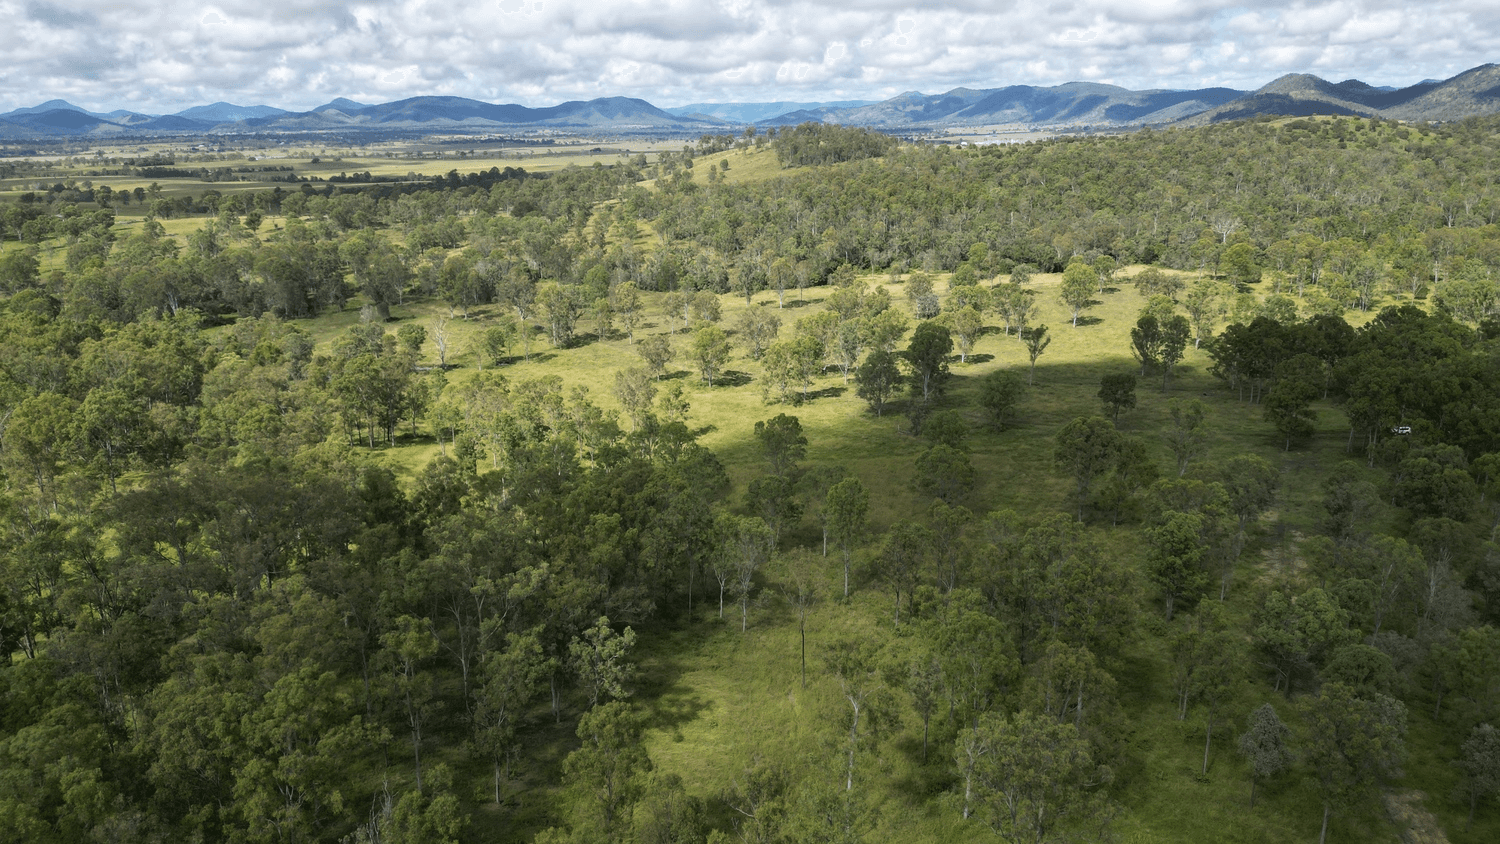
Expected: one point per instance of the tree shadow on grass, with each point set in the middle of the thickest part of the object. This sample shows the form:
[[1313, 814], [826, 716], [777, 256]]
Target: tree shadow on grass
[[1140, 682], [480, 313], [539, 357], [924, 782], [732, 378], [672, 702], [827, 393], [803, 304], [676, 375], [980, 358], [1089, 320], [675, 704]]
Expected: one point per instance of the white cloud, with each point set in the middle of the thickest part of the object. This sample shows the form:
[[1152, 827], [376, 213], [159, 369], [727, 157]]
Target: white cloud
[[1174, 53], [1078, 36], [171, 54], [1365, 29], [1251, 23], [1316, 20]]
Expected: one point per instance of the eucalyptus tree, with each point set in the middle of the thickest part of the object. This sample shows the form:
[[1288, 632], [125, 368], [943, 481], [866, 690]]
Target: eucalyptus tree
[[1085, 449], [1034, 779], [1480, 763], [1079, 284], [877, 379], [1264, 746], [847, 510], [855, 666], [1355, 744], [1036, 341], [709, 349], [928, 354]]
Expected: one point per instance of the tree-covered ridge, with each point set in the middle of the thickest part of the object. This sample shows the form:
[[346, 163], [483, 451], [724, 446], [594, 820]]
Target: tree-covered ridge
[[1180, 199], [229, 618], [1346, 208]]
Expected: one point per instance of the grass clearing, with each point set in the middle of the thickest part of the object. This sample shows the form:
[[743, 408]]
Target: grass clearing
[[719, 698]]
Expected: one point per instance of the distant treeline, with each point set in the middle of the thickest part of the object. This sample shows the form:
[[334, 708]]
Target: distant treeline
[[216, 174]]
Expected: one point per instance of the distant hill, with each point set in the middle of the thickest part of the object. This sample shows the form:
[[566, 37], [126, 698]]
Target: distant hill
[[60, 118], [1071, 105], [120, 117], [342, 104], [1473, 92], [50, 105], [57, 121], [755, 112], [792, 118], [439, 113], [177, 123], [226, 112], [1074, 103], [429, 114]]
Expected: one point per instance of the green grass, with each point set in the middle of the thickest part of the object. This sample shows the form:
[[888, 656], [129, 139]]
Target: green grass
[[387, 160], [745, 165], [718, 698]]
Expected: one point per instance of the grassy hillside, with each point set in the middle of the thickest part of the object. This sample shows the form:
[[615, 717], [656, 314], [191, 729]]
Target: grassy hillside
[[720, 699]]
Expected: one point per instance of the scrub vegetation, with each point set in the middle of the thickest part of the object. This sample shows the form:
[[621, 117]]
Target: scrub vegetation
[[812, 488]]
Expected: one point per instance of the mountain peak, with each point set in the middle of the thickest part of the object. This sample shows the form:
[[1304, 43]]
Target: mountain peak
[[1292, 82], [341, 104], [50, 105], [222, 112]]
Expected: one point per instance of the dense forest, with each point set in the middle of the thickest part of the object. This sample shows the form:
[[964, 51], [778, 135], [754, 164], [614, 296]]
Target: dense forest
[[281, 562]]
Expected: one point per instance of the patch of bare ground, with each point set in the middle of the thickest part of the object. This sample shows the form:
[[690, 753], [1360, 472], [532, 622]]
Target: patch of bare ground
[[1415, 824], [1279, 557]]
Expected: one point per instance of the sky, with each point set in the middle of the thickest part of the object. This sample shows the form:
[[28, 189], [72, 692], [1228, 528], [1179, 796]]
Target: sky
[[167, 55]]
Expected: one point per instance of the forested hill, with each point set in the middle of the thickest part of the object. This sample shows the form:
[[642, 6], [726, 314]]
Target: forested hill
[[810, 488], [1471, 93]]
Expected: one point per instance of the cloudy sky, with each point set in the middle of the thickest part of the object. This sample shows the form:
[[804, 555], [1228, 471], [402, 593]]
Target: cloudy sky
[[167, 55]]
